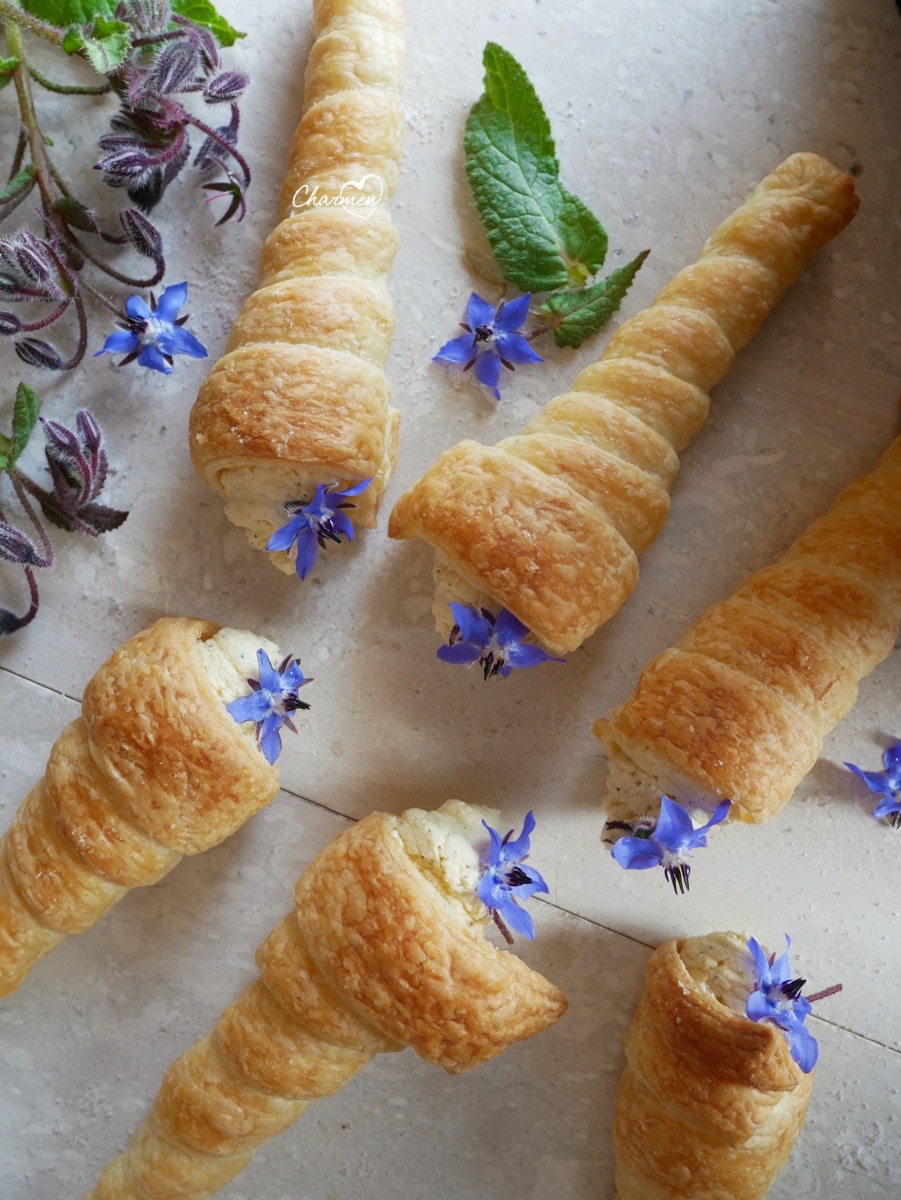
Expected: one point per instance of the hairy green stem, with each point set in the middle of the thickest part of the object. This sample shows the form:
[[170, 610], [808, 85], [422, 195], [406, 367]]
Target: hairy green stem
[[43, 173], [10, 12], [67, 89]]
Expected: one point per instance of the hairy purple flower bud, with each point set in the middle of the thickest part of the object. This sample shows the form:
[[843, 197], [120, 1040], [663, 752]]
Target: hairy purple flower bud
[[176, 65], [208, 50], [126, 164], [147, 16], [28, 268], [78, 468], [225, 88], [142, 234], [39, 354], [62, 442], [9, 324], [16, 548]]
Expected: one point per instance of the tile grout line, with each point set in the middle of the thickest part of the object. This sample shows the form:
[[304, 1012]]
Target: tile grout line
[[617, 932], [37, 683], [558, 907]]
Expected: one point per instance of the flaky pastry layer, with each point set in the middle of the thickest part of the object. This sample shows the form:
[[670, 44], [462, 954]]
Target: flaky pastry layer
[[381, 952], [550, 524], [153, 769], [710, 1103], [739, 709], [301, 397]]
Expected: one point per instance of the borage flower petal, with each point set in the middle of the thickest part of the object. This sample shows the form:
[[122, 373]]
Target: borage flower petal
[[272, 699], [313, 525], [776, 997], [669, 842], [496, 643], [885, 783], [493, 339], [505, 880], [155, 334]]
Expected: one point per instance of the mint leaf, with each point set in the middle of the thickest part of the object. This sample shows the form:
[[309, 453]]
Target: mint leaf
[[201, 12], [542, 236], [25, 415], [7, 66], [105, 44], [69, 12], [574, 316]]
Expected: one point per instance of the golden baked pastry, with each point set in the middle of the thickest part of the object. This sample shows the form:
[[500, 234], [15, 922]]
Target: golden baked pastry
[[153, 769], [739, 708], [549, 524], [385, 949], [710, 1103], [300, 398]]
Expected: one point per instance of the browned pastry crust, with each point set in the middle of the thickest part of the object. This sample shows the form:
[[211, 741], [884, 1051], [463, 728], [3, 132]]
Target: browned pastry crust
[[153, 769], [375, 957], [739, 708], [549, 524], [300, 397], [710, 1103]]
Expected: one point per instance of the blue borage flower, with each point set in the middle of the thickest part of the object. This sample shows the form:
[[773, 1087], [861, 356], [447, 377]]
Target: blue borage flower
[[496, 643], [493, 339], [776, 997], [154, 335], [272, 699], [666, 843], [885, 783], [505, 880], [317, 523]]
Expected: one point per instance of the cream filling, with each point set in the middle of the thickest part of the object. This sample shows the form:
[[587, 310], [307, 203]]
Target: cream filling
[[444, 844], [721, 963], [230, 658]]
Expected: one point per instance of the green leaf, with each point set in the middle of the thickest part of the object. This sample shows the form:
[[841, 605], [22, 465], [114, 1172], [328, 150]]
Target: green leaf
[[201, 12], [574, 316], [25, 415], [542, 236], [7, 66], [105, 44], [69, 12], [17, 183], [82, 12]]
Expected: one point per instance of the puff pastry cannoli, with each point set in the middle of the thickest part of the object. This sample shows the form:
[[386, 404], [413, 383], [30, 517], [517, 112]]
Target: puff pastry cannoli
[[153, 769], [549, 524], [739, 708], [710, 1103], [300, 398], [384, 949]]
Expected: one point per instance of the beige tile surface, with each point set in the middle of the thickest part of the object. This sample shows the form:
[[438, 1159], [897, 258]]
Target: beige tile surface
[[666, 114]]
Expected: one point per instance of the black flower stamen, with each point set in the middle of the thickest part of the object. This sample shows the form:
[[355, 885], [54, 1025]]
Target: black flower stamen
[[792, 988], [678, 877]]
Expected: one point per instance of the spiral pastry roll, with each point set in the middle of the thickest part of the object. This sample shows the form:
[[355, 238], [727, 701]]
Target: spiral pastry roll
[[710, 1103], [300, 398], [385, 949], [738, 710], [154, 768], [549, 524]]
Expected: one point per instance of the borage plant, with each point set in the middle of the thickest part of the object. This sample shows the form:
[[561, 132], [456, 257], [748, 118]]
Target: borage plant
[[543, 238], [77, 464], [151, 58]]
